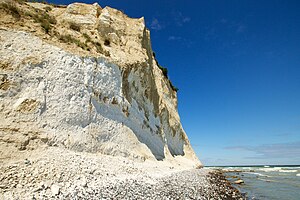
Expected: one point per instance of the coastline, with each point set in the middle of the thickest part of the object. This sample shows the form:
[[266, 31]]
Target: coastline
[[264, 181], [227, 189], [61, 174]]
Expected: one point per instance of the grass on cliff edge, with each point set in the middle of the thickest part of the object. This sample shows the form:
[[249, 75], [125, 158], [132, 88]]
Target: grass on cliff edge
[[165, 73], [12, 9], [39, 16], [47, 22]]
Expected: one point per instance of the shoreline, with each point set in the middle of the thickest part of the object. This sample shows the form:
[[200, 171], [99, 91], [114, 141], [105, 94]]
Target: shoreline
[[62, 174], [226, 186], [264, 182]]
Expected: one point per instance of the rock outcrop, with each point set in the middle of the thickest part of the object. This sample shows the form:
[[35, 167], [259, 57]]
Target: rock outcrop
[[84, 78]]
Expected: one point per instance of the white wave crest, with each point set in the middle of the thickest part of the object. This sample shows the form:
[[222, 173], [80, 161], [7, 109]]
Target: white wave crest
[[269, 169], [258, 174], [288, 171], [279, 169]]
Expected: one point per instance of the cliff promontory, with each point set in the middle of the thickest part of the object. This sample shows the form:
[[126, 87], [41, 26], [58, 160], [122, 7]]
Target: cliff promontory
[[84, 78], [88, 113]]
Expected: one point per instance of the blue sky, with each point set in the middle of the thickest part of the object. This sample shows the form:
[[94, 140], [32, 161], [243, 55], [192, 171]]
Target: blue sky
[[237, 66]]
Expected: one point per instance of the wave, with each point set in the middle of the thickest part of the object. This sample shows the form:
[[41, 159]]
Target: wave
[[269, 169], [246, 168], [258, 174], [266, 180], [288, 171], [279, 169], [291, 168], [297, 174]]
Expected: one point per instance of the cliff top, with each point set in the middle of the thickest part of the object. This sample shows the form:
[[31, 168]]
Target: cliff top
[[85, 30], [82, 29]]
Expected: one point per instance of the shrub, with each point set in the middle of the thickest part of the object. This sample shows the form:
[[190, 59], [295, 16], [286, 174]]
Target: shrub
[[20, 1], [12, 9], [173, 87], [98, 47], [48, 8], [66, 38], [87, 38], [69, 39], [165, 73], [164, 70], [74, 26], [50, 19], [43, 18], [46, 26], [34, 1]]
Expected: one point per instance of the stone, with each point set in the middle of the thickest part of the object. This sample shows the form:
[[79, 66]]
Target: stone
[[239, 181], [84, 183], [55, 189], [27, 162], [82, 13]]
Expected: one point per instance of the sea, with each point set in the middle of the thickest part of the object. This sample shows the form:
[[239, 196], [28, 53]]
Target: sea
[[265, 182]]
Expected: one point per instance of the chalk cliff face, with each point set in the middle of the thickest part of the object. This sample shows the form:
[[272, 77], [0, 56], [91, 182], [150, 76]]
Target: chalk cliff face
[[89, 82]]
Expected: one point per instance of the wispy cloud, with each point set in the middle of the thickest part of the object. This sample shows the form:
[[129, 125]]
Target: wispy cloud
[[155, 24], [279, 150], [222, 27], [186, 19], [181, 40], [174, 38], [180, 19]]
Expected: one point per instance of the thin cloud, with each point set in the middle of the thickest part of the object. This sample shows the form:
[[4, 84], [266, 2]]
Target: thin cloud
[[265, 151], [174, 38], [181, 40], [155, 25], [186, 19], [238, 27], [180, 19]]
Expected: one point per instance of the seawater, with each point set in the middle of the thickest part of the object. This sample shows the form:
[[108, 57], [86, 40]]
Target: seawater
[[266, 182]]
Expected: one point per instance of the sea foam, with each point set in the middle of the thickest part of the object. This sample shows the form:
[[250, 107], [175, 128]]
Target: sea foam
[[287, 171]]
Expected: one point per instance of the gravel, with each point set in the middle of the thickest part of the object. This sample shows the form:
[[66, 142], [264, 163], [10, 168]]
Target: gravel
[[67, 175]]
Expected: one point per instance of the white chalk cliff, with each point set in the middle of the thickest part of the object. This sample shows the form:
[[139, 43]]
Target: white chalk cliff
[[88, 83]]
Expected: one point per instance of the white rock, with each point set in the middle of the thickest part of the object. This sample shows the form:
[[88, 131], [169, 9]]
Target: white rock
[[55, 189], [239, 181]]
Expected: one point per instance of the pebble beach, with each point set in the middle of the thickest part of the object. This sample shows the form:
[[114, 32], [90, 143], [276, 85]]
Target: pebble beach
[[60, 174]]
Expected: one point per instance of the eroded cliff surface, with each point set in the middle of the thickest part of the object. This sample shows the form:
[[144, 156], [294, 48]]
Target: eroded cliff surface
[[84, 78]]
